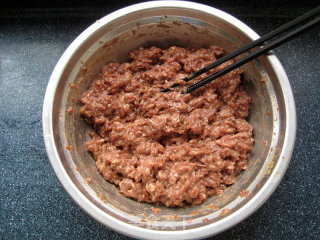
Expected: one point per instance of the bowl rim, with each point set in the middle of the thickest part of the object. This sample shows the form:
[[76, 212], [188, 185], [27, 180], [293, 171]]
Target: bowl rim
[[135, 231]]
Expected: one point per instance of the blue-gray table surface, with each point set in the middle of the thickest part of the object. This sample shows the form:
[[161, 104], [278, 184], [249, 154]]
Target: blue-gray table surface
[[33, 204]]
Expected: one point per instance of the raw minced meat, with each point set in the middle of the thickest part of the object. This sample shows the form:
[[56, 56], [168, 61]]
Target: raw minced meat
[[168, 148]]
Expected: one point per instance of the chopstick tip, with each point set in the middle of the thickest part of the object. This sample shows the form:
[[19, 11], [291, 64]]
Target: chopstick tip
[[187, 78], [175, 85], [164, 90]]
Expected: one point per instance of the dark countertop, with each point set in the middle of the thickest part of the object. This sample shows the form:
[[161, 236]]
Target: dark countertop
[[33, 204]]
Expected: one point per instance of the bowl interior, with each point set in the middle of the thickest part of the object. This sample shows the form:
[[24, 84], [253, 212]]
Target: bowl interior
[[164, 27]]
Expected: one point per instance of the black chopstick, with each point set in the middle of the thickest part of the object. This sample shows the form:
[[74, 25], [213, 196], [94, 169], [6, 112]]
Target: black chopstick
[[258, 42], [254, 55]]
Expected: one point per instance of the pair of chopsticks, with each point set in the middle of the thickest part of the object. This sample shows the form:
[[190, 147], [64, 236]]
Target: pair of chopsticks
[[302, 23]]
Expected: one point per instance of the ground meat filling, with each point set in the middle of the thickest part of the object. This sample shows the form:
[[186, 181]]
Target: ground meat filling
[[168, 148]]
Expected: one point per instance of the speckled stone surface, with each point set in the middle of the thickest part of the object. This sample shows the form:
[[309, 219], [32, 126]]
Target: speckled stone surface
[[33, 204]]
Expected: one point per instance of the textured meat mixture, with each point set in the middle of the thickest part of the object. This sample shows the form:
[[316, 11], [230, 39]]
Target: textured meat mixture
[[168, 148]]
